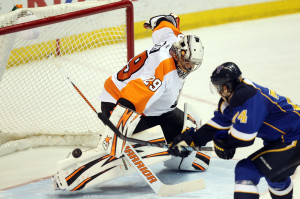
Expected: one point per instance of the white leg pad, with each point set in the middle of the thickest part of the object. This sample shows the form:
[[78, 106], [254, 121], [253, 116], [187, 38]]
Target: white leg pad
[[196, 161], [95, 167]]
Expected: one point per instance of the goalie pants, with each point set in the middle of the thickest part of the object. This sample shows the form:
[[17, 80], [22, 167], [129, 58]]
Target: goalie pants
[[170, 122]]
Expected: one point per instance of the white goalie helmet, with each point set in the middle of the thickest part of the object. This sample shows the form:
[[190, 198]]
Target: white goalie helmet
[[188, 53]]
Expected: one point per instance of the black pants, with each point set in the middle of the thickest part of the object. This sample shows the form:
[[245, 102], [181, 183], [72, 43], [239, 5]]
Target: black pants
[[277, 160], [170, 122]]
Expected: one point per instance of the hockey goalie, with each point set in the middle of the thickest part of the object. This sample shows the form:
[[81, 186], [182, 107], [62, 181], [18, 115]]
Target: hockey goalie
[[140, 96]]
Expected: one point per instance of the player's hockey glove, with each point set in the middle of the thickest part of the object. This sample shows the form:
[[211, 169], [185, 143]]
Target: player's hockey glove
[[222, 150], [179, 145], [154, 21]]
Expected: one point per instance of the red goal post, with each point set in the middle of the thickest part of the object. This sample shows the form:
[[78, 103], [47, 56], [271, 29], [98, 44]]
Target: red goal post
[[38, 107]]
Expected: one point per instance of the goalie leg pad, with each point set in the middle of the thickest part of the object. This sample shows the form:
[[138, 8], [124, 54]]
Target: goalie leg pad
[[76, 173], [196, 161], [95, 167], [126, 121]]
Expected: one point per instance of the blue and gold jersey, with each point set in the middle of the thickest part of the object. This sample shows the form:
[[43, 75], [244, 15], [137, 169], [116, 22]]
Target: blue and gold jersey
[[256, 111]]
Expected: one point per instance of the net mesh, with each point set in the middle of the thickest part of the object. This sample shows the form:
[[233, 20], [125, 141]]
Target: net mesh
[[38, 105]]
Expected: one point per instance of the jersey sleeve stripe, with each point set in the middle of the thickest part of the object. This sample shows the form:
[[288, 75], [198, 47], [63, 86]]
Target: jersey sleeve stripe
[[166, 24], [111, 88], [242, 136], [297, 113], [247, 82], [274, 128], [164, 68], [137, 93], [217, 126]]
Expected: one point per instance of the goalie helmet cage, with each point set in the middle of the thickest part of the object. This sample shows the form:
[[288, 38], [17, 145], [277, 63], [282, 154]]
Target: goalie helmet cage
[[38, 106]]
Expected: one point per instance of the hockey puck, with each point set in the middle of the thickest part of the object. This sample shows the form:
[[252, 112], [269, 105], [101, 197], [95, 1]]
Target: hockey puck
[[76, 153]]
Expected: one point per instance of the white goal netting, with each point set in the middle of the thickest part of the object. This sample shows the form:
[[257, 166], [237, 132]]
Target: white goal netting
[[39, 106]]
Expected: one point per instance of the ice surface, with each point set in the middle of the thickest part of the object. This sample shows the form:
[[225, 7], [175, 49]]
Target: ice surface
[[133, 186], [267, 52]]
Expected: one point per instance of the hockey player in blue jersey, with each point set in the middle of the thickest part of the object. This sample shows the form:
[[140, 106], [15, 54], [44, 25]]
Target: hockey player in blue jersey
[[247, 111]]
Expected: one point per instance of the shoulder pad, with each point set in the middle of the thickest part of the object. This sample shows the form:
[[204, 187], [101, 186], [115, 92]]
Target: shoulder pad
[[242, 93]]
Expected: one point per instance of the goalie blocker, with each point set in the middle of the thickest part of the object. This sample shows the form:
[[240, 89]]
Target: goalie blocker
[[98, 166]]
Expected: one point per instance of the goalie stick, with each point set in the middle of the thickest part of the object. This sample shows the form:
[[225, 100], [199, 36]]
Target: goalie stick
[[132, 156]]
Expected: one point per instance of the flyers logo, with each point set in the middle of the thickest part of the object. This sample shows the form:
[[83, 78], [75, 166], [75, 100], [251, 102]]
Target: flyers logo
[[106, 142]]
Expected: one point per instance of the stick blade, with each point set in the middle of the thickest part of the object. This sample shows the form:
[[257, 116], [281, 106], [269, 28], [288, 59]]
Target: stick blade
[[185, 187]]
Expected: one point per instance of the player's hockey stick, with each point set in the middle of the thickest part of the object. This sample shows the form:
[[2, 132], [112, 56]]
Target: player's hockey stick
[[107, 122], [157, 186]]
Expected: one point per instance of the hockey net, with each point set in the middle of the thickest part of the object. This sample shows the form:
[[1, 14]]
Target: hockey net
[[38, 106]]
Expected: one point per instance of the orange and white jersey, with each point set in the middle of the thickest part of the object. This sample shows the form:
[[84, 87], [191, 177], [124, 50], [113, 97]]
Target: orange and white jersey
[[150, 80]]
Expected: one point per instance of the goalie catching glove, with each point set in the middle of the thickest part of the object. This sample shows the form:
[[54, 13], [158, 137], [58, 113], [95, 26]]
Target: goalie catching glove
[[180, 142], [154, 21], [126, 121]]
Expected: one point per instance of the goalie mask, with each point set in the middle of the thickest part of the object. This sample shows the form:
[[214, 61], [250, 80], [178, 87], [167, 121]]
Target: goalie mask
[[188, 53]]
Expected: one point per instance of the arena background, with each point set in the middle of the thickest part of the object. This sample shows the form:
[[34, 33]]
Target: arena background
[[193, 13]]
